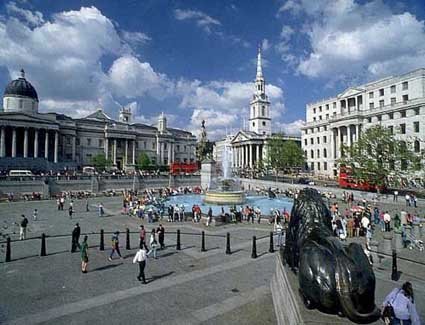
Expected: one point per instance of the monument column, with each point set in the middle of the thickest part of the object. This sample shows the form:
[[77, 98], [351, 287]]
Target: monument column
[[14, 143], [56, 147], [46, 145], [133, 161], [26, 143], [36, 143], [106, 148], [73, 147], [114, 154], [3, 142]]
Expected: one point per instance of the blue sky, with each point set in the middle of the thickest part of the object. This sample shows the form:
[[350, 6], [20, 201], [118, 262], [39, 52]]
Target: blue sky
[[195, 60]]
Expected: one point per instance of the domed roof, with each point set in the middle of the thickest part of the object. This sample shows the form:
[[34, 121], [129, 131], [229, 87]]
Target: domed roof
[[21, 87]]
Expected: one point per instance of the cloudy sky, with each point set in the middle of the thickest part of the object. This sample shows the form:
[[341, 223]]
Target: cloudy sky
[[195, 60]]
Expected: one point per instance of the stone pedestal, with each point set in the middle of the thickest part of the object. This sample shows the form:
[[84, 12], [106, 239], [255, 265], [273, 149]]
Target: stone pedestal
[[208, 172]]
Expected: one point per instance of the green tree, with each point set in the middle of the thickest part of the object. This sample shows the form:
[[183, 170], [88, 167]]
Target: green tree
[[378, 157], [143, 161], [100, 162], [284, 154]]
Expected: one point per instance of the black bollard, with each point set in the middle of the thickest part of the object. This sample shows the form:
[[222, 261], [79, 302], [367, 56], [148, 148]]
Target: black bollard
[[271, 248], [228, 251], [394, 273], [254, 247], [43, 245], [102, 240], [127, 239], [8, 252], [203, 242], [178, 245]]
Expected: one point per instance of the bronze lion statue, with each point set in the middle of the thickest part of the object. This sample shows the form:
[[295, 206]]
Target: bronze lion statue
[[332, 277]]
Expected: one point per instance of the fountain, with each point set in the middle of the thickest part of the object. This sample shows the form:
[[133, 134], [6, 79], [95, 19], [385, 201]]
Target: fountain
[[225, 190]]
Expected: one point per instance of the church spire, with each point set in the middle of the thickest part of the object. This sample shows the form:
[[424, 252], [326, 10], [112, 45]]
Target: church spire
[[259, 67]]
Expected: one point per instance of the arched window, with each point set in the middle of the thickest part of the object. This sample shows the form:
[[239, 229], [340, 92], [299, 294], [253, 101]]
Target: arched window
[[325, 154], [311, 153], [417, 146], [263, 111]]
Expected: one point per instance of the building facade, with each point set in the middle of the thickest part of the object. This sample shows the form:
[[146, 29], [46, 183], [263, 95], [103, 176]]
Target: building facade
[[248, 148], [397, 103], [51, 140]]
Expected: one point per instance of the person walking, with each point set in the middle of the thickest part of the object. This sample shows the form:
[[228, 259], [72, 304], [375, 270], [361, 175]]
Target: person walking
[[140, 258], [87, 205], [209, 216], [115, 245], [387, 221], [395, 197], [100, 209], [153, 244], [76, 238], [398, 307], [70, 211], [35, 214], [161, 236], [142, 235], [23, 228], [84, 255]]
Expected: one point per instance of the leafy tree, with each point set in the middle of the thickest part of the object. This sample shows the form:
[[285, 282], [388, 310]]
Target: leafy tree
[[100, 162], [378, 156], [143, 161], [284, 154]]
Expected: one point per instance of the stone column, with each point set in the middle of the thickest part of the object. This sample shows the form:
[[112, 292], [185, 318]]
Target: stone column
[[357, 132], [46, 145], [26, 143], [73, 147], [257, 154], [338, 143], [126, 152], [332, 143], [14, 143], [114, 154], [349, 136], [169, 153], [133, 161], [161, 153], [36, 143], [3, 143], [106, 148], [172, 153], [251, 156], [158, 157], [55, 160]]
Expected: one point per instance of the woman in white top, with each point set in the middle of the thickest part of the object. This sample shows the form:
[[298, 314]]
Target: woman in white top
[[153, 244]]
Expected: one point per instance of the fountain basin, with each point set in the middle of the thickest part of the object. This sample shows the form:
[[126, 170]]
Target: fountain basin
[[224, 198]]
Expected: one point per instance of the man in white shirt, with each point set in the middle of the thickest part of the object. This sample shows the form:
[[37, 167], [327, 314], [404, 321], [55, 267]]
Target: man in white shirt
[[365, 222], [387, 221], [140, 258]]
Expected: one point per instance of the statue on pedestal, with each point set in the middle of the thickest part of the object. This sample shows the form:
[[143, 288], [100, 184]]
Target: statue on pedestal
[[204, 148], [332, 277]]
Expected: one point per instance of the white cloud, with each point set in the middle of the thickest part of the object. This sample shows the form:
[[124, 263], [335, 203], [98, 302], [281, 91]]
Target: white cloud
[[202, 20], [32, 18], [348, 39], [292, 128], [265, 44], [135, 38]]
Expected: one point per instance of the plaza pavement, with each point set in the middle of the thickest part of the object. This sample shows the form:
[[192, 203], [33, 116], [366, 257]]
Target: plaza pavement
[[185, 287]]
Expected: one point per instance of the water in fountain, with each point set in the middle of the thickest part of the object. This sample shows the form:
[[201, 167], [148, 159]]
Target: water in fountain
[[226, 162]]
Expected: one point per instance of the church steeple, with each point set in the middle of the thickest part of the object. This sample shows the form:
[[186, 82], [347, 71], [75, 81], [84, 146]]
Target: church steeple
[[259, 115]]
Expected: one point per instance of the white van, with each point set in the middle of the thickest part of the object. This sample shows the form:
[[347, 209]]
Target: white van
[[17, 172], [89, 170]]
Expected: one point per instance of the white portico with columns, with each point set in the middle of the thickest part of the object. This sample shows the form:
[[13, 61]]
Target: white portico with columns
[[397, 103]]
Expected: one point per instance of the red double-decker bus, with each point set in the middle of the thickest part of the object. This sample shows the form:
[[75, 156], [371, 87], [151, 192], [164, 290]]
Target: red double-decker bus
[[346, 180], [178, 168]]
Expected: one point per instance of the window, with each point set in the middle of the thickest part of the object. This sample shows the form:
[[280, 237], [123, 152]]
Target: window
[[178, 147], [325, 128], [311, 154], [314, 119], [318, 166], [263, 110], [325, 154], [393, 100], [403, 128], [311, 141], [88, 142], [327, 107], [371, 105], [318, 140], [264, 123], [305, 142], [305, 153], [100, 142], [314, 110], [320, 109], [381, 92], [253, 123], [390, 116], [184, 148], [324, 139], [253, 111], [325, 166], [379, 118], [403, 114], [392, 89], [417, 146], [417, 111], [371, 94], [405, 85], [405, 98], [144, 144], [369, 120], [391, 129], [318, 153], [334, 104], [312, 165], [320, 117], [327, 116], [416, 127], [381, 103]]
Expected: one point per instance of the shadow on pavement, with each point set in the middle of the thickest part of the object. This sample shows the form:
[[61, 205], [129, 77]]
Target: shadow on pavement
[[106, 267], [157, 277]]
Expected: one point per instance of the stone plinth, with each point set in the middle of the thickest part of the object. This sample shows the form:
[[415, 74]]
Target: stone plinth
[[208, 172]]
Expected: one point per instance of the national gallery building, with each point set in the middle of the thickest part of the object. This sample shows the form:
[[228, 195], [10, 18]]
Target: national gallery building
[[52, 141]]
